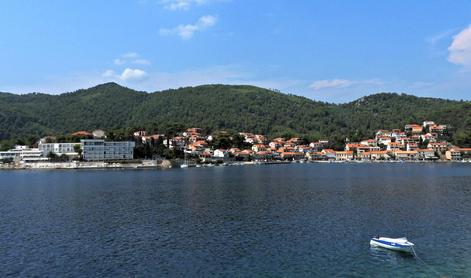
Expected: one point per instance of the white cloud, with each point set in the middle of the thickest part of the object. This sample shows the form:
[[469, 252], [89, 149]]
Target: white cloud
[[329, 84], [175, 5], [342, 83], [119, 61], [132, 74], [131, 58], [459, 52], [439, 37], [187, 31], [141, 61]]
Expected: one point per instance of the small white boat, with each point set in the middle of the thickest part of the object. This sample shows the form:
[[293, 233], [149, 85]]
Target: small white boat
[[396, 244], [184, 166]]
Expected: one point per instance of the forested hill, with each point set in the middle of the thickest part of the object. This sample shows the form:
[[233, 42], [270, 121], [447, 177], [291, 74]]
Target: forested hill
[[215, 107]]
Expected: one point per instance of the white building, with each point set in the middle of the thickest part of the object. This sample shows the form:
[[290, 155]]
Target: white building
[[98, 133], [99, 150], [220, 153], [23, 154], [58, 148], [426, 124]]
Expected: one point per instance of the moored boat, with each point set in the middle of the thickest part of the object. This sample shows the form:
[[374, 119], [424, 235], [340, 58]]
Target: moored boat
[[396, 244]]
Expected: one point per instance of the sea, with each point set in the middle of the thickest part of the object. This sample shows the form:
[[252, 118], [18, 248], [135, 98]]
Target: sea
[[291, 220]]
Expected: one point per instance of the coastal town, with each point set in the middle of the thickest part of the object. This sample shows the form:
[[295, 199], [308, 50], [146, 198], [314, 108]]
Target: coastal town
[[415, 142]]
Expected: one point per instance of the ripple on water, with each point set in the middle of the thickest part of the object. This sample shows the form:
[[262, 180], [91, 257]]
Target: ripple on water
[[304, 220]]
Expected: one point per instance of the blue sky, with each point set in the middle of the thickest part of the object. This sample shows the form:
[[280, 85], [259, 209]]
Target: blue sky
[[333, 51]]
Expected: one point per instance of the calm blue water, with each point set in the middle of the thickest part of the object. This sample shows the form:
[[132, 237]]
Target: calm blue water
[[304, 220]]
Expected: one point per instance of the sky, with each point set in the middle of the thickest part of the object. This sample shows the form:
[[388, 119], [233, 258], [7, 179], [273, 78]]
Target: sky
[[334, 51]]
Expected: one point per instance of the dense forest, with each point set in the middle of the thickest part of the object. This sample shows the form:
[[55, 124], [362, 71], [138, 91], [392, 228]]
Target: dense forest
[[222, 107]]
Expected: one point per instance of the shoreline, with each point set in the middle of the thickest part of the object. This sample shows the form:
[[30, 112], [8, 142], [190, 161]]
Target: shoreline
[[153, 164]]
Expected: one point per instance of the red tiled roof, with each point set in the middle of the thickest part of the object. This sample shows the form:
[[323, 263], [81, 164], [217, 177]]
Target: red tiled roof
[[82, 133]]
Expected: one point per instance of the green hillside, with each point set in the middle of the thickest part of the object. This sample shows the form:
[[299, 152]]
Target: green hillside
[[214, 107]]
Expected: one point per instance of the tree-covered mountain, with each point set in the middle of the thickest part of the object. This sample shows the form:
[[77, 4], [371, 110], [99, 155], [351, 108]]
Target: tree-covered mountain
[[214, 107]]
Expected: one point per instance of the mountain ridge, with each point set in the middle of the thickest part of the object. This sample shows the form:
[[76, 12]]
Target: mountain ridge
[[248, 108]]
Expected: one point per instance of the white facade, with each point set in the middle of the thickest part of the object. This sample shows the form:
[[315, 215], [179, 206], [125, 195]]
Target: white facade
[[98, 133], [98, 150], [23, 154], [58, 148], [220, 153]]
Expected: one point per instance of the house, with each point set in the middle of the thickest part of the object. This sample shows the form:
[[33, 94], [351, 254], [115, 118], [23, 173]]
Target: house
[[205, 155], [379, 155], [248, 137], [193, 131], [286, 149], [292, 155], [369, 142], [439, 147], [274, 145], [303, 148], [82, 134], [220, 153], [98, 134], [440, 129], [363, 156], [426, 154], [260, 139], [413, 129], [47, 139], [151, 139], [456, 153], [426, 124], [384, 140], [193, 134], [429, 137], [382, 133], [313, 155], [140, 133], [328, 154], [411, 146], [179, 143], [405, 155], [344, 155], [394, 146], [263, 155], [245, 154], [353, 146], [234, 151], [294, 141], [453, 154], [465, 153], [259, 148], [415, 138]]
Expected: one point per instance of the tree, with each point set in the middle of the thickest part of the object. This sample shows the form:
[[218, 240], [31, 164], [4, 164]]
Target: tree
[[78, 149], [463, 139], [222, 140]]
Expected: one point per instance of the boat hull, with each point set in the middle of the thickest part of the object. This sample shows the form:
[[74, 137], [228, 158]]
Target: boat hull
[[392, 245]]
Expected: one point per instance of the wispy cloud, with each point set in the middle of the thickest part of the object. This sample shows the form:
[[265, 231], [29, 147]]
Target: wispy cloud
[[342, 83], [108, 74], [131, 58], [439, 37], [319, 85], [459, 52], [186, 31], [330, 84], [175, 5]]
